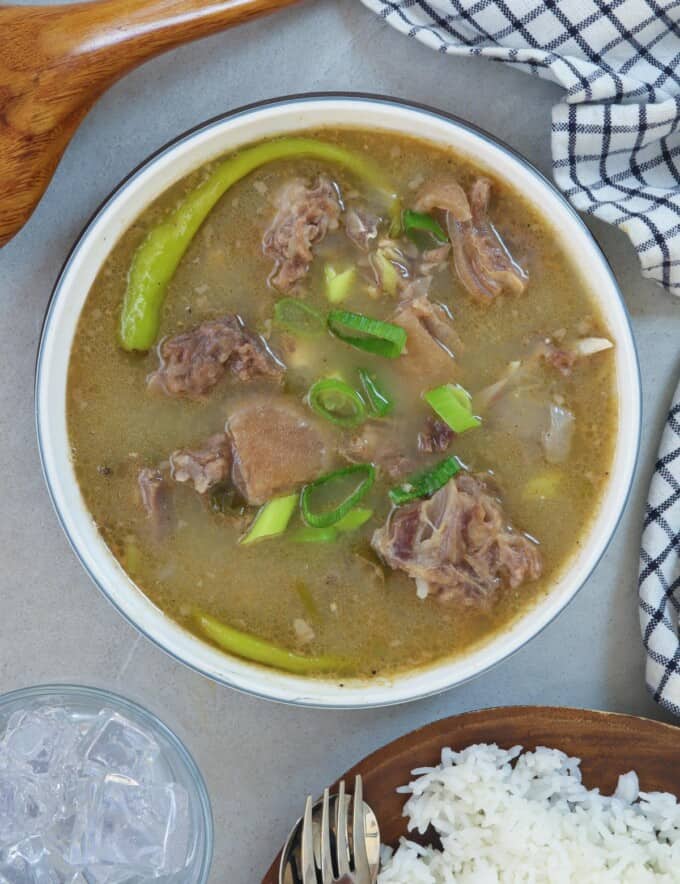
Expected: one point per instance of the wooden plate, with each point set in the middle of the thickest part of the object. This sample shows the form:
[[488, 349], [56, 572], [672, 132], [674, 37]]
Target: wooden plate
[[608, 744]]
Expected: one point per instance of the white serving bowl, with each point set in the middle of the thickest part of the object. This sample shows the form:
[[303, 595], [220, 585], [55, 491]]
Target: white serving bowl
[[136, 192]]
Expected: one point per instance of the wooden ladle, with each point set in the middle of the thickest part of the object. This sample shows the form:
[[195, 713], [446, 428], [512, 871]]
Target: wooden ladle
[[55, 61]]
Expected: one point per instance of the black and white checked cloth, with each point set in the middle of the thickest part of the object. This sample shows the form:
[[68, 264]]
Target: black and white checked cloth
[[660, 569], [616, 134]]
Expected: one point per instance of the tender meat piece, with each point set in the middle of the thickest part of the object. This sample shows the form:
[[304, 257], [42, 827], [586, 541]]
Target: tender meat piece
[[305, 214], [434, 260], [415, 288], [361, 227], [204, 467], [482, 261], [156, 498], [431, 340], [380, 443], [277, 446], [437, 436], [193, 362], [484, 264], [445, 194], [458, 544]]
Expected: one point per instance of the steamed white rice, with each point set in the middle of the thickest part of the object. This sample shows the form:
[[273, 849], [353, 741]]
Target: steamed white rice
[[514, 816]]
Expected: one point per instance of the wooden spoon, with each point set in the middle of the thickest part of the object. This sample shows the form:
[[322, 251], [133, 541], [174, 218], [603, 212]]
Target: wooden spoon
[[55, 61]]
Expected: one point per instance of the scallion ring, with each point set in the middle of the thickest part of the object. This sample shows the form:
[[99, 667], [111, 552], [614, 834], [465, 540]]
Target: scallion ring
[[425, 484], [337, 402], [326, 518], [453, 404], [374, 335], [418, 225], [379, 400], [297, 317]]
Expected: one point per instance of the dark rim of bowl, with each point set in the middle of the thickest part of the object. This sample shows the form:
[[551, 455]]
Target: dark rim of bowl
[[50, 689], [302, 98]]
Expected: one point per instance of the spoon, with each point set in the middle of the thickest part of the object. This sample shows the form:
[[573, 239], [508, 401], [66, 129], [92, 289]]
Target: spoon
[[290, 855], [55, 62]]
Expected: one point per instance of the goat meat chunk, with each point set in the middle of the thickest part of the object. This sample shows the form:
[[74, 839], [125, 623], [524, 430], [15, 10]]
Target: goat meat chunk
[[437, 436], [305, 214], [458, 544], [203, 467], [194, 362], [277, 446], [431, 340], [482, 260]]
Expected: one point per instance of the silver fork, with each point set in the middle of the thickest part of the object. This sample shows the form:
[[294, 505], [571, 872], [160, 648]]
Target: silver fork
[[340, 862]]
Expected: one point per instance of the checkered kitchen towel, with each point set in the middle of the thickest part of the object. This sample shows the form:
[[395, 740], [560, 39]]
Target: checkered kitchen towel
[[660, 569], [616, 134]]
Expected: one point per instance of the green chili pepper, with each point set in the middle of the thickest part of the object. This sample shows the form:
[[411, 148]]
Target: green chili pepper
[[256, 649], [156, 259]]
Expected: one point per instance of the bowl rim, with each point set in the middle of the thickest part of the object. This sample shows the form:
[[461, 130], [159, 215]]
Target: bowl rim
[[390, 694], [113, 698]]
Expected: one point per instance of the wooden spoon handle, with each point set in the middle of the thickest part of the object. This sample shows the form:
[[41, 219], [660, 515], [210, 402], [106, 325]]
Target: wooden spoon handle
[[55, 61]]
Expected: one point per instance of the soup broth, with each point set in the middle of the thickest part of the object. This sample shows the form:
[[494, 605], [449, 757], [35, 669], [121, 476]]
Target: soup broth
[[523, 356]]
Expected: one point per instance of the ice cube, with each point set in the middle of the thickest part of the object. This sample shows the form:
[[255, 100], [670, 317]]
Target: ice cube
[[39, 739], [15, 869], [115, 745], [142, 827], [26, 807]]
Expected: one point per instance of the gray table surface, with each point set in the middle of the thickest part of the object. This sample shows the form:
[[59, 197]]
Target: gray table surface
[[260, 759]]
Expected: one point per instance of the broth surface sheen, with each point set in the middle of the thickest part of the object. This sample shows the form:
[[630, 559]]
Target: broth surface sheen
[[349, 604]]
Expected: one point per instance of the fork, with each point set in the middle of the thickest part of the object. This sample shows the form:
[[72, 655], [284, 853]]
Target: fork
[[339, 861]]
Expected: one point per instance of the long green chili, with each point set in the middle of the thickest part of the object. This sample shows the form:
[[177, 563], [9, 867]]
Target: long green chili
[[260, 651], [156, 259]]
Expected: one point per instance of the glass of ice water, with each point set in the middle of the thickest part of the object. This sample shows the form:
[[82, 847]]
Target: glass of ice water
[[94, 789]]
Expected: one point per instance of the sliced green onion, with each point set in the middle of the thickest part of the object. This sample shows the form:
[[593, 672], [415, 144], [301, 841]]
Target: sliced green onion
[[418, 223], [375, 336], [338, 284], [354, 519], [260, 651], [330, 517], [380, 402], [297, 317], [271, 519], [385, 271], [315, 535], [337, 402], [453, 404], [425, 484]]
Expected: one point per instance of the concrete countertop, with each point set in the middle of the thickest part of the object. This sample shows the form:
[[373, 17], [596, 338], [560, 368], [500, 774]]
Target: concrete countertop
[[261, 759]]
